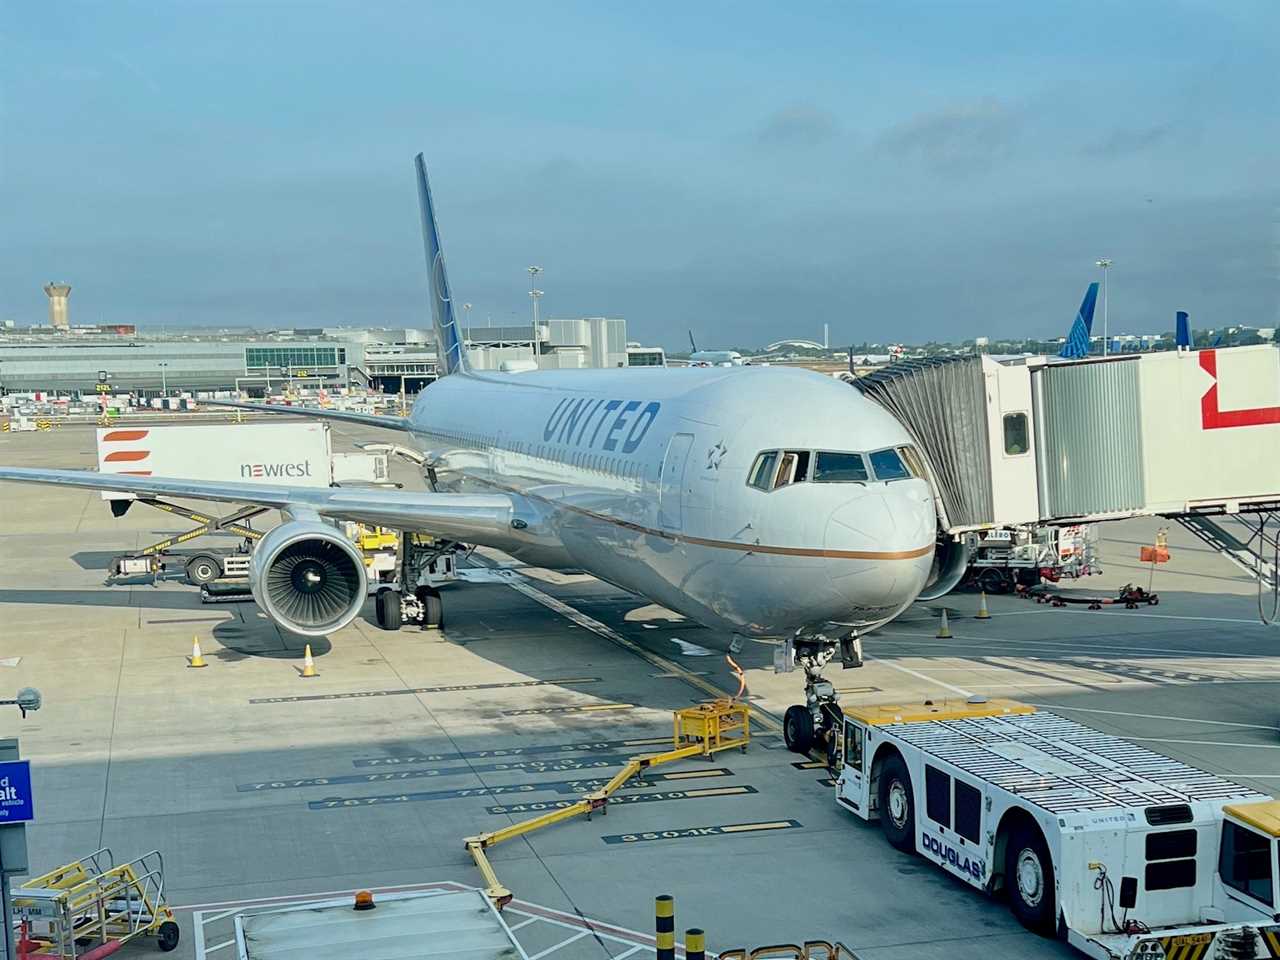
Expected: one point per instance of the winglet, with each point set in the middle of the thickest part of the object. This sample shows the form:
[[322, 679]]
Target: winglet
[[1077, 344], [452, 353]]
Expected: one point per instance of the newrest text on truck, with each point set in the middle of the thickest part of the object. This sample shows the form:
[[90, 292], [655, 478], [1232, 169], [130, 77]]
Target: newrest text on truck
[[1127, 854]]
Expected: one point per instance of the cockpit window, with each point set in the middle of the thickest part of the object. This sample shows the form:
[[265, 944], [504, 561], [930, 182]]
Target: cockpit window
[[889, 466], [839, 468], [763, 469]]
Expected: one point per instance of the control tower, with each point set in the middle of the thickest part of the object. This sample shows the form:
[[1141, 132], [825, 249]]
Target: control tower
[[58, 294]]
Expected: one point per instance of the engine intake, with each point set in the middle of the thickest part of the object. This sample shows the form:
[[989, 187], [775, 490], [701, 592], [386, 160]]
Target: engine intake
[[308, 578]]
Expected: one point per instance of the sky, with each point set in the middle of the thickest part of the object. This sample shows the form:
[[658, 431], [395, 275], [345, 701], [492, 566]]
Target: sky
[[900, 171]]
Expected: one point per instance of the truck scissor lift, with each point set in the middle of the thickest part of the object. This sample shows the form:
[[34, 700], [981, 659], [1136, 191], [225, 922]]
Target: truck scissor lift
[[1124, 853]]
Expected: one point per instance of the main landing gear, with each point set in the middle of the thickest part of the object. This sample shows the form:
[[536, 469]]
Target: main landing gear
[[818, 722], [424, 564]]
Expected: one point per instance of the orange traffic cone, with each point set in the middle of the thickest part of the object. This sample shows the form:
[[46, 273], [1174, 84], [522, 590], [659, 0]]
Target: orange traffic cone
[[197, 659], [308, 665], [983, 613], [944, 628]]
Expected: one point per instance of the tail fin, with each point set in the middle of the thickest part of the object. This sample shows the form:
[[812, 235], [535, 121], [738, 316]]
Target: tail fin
[[452, 353], [692, 343], [1077, 344], [1182, 336]]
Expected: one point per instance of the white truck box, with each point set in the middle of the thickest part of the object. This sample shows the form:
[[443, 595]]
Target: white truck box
[[283, 454]]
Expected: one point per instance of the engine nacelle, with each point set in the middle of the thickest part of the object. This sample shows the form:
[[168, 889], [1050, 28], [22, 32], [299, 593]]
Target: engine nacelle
[[950, 563], [308, 577]]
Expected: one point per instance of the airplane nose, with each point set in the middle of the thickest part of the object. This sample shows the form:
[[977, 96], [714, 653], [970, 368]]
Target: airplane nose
[[880, 546]]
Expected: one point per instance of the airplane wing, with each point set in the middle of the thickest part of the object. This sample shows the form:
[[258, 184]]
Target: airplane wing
[[474, 518], [367, 419]]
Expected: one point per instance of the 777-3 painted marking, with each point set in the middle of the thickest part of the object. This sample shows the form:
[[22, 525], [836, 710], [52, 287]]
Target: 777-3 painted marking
[[689, 833]]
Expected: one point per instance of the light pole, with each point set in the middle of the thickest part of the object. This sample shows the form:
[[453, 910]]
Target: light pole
[[534, 294], [466, 320], [164, 383], [1104, 263]]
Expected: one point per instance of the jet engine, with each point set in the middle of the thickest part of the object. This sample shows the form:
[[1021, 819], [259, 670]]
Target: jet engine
[[308, 577], [951, 560]]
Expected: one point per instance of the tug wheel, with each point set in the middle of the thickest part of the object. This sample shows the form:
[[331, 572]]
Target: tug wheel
[[1028, 872], [897, 804], [797, 729]]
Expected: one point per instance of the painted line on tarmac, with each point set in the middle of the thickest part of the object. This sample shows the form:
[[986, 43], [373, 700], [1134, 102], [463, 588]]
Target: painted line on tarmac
[[692, 833], [1205, 743], [520, 585], [922, 676], [1075, 646], [557, 711], [567, 787], [457, 688], [1154, 716], [809, 765], [696, 793], [584, 747], [535, 766]]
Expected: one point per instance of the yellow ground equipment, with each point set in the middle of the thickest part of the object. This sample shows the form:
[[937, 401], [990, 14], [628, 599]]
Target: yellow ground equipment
[[91, 902], [699, 731]]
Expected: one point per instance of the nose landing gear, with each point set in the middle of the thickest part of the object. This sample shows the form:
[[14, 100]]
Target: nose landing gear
[[819, 721]]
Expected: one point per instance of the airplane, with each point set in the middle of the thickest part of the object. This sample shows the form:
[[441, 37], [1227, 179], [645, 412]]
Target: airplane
[[1077, 342], [772, 503], [713, 358]]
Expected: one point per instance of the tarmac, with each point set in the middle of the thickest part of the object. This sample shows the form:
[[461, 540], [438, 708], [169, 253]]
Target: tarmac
[[259, 786]]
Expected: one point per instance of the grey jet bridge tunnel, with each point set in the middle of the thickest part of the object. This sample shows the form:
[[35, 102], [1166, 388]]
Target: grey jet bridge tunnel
[[1193, 436]]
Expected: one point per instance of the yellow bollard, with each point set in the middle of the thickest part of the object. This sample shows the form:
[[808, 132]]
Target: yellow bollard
[[944, 628], [308, 665], [197, 659], [695, 945], [664, 909], [983, 613]]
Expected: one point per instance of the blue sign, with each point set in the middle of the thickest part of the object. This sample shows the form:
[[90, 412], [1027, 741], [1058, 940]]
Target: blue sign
[[16, 802]]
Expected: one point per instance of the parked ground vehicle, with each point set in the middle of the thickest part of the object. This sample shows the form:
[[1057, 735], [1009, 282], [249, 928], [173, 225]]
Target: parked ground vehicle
[[1123, 852]]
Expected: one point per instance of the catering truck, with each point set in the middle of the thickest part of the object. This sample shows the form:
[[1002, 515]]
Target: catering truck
[[1126, 854]]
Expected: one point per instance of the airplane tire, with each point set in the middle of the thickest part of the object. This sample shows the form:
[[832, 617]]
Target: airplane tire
[[797, 729], [897, 804], [203, 568], [433, 607], [389, 614]]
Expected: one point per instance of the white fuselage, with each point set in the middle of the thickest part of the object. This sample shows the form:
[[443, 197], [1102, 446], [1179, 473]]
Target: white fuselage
[[640, 477]]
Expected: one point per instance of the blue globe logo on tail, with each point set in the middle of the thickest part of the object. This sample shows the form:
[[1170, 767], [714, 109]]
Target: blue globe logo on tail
[[452, 356]]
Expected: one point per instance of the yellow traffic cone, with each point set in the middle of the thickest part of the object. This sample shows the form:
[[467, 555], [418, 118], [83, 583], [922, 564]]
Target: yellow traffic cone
[[197, 659], [308, 665], [944, 628], [983, 613]]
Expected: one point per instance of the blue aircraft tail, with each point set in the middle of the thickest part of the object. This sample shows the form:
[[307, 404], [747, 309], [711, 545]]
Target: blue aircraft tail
[[452, 354], [1182, 335], [1077, 344]]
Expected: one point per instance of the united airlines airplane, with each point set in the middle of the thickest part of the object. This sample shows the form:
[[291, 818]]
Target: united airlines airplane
[[772, 503]]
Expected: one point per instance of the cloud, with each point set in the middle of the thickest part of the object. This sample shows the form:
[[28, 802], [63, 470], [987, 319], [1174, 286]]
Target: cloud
[[958, 138], [799, 125], [1122, 143]]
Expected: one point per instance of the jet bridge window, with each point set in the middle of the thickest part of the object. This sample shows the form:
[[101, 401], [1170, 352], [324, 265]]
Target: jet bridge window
[[1015, 434], [1245, 861], [889, 466], [839, 468]]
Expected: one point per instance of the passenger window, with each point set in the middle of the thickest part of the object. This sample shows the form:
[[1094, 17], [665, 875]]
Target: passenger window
[[762, 470], [937, 795], [1245, 862], [968, 811], [839, 468], [1015, 434], [888, 465]]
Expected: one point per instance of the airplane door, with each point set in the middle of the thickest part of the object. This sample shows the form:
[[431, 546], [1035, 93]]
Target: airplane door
[[671, 490]]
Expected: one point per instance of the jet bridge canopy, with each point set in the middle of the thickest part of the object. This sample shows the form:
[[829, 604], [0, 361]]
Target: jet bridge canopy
[[1045, 441]]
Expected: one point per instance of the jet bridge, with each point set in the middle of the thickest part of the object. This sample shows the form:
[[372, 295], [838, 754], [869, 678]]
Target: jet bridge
[[1189, 435]]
